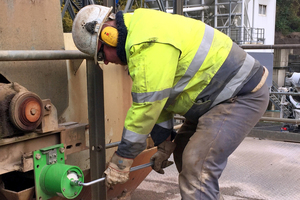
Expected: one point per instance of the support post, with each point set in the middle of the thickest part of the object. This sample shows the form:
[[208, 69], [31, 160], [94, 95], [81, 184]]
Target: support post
[[95, 91], [281, 59], [178, 7]]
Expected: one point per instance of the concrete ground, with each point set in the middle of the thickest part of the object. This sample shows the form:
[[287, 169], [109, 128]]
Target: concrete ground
[[257, 170]]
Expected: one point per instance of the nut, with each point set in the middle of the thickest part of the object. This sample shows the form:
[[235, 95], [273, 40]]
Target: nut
[[33, 111], [38, 156], [48, 107], [62, 150]]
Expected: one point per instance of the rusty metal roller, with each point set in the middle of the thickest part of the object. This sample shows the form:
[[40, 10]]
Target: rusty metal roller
[[26, 111]]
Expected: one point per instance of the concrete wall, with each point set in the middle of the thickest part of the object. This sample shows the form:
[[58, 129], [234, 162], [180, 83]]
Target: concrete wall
[[35, 25]]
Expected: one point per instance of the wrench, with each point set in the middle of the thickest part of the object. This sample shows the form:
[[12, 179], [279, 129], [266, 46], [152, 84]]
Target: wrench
[[79, 183]]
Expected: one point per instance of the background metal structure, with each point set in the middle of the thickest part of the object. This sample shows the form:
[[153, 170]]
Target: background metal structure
[[73, 6], [229, 16]]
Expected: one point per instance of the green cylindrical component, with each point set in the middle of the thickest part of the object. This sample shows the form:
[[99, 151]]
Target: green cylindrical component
[[56, 180]]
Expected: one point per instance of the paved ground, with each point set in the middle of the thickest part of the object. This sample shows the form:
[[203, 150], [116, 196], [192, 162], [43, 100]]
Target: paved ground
[[257, 170]]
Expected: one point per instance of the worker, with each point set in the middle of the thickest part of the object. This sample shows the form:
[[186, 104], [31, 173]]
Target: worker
[[178, 65]]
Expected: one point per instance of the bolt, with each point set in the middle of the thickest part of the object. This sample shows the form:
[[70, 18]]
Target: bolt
[[79, 175], [69, 171], [75, 193], [62, 150], [38, 156], [64, 189], [99, 148], [33, 111], [48, 107]]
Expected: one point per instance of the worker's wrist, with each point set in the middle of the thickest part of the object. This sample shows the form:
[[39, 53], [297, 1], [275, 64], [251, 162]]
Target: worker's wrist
[[122, 164]]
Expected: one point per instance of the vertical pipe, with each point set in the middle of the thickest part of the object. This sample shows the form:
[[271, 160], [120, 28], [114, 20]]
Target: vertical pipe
[[216, 13], [178, 7], [96, 127], [242, 22], [253, 13], [202, 12], [229, 27]]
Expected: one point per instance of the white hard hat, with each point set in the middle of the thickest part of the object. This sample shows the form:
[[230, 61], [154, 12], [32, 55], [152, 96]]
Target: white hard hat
[[87, 26]]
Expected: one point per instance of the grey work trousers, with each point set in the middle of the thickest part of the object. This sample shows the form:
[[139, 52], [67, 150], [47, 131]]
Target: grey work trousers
[[203, 149]]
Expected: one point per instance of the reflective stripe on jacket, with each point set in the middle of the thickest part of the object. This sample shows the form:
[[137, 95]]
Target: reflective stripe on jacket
[[178, 65]]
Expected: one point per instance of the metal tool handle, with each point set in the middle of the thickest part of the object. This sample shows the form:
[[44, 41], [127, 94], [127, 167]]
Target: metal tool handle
[[79, 183]]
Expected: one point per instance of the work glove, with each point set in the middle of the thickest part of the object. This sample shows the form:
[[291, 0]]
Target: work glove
[[118, 170], [160, 158]]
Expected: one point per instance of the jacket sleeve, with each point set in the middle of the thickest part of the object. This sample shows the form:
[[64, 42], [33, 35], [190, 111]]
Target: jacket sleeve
[[152, 67]]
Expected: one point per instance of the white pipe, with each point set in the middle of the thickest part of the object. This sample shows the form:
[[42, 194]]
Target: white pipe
[[190, 9]]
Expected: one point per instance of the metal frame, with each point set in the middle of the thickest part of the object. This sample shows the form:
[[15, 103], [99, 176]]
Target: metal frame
[[160, 4], [95, 105], [78, 4], [97, 129]]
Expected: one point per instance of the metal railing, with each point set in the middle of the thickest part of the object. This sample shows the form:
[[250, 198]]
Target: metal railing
[[244, 35], [30, 55]]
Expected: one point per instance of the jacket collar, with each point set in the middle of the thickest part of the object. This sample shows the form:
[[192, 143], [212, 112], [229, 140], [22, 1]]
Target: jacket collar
[[122, 35]]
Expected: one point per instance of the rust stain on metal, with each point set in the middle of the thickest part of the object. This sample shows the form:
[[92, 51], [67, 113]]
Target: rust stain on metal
[[73, 138], [14, 156]]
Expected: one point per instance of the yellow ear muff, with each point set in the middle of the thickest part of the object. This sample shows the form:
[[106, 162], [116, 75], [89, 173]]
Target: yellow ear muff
[[109, 35]]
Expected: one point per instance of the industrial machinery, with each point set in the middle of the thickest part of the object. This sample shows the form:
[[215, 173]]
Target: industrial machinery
[[28, 124], [287, 100]]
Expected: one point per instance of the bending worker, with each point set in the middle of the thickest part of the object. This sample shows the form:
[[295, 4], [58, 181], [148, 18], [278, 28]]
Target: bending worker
[[178, 65]]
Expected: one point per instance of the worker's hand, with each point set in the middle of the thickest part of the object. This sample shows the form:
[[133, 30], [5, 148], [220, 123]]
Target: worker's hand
[[118, 170], [160, 158]]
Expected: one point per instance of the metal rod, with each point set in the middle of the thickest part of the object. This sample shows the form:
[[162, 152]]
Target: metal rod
[[274, 119], [275, 46], [271, 119], [286, 93], [110, 145], [26, 55], [29, 55], [132, 169]]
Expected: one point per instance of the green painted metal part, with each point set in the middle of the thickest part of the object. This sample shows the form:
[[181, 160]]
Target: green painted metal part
[[52, 176]]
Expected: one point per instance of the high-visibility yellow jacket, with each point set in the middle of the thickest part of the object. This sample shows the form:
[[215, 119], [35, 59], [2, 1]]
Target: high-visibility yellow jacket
[[178, 66]]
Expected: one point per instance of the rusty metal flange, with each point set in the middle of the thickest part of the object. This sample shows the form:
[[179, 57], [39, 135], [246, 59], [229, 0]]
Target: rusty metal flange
[[26, 111]]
